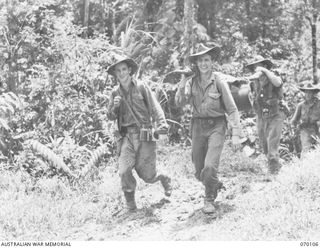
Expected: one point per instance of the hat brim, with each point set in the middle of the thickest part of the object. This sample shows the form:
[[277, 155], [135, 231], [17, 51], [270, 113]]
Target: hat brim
[[131, 63], [215, 51], [267, 62]]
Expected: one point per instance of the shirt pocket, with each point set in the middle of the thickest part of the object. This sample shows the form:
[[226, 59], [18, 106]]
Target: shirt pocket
[[139, 104], [213, 101], [214, 95], [137, 96]]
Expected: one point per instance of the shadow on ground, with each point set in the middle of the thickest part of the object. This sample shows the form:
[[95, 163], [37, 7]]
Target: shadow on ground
[[198, 218]]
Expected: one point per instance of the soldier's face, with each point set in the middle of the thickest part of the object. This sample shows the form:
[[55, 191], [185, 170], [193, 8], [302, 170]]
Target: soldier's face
[[204, 63], [122, 72]]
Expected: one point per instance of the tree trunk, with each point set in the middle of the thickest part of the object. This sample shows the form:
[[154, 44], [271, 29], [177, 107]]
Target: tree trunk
[[86, 5], [179, 10], [103, 16], [12, 75], [188, 23], [314, 52], [264, 7], [150, 12], [248, 8], [207, 10], [314, 41]]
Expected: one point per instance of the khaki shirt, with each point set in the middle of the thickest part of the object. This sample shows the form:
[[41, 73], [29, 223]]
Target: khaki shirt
[[143, 103], [213, 100], [266, 94], [308, 113]]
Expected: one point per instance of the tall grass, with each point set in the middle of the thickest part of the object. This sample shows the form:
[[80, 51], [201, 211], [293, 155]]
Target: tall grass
[[48, 209], [287, 208]]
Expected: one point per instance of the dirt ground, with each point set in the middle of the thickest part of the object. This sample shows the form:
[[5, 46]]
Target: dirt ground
[[180, 216]]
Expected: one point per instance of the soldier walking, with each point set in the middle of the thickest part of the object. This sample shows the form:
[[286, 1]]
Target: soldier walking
[[267, 95], [211, 99], [307, 116], [135, 108]]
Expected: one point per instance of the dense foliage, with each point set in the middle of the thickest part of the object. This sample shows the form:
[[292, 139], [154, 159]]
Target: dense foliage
[[55, 87]]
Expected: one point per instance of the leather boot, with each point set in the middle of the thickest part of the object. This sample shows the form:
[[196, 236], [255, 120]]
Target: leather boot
[[166, 184], [211, 195], [130, 201], [208, 207], [273, 166]]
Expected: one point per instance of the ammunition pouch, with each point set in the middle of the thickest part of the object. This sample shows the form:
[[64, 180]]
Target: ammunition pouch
[[273, 107], [129, 129], [148, 134], [270, 110]]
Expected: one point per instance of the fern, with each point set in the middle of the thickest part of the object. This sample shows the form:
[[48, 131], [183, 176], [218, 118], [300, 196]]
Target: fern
[[94, 159], [50, 156], [9, 102]]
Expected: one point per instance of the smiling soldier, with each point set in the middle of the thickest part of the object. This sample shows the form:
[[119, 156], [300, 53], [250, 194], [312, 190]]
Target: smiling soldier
[[211, 100], [135, 108]]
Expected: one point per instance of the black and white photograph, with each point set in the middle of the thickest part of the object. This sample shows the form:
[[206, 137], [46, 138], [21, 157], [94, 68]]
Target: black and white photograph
[[160, 120]]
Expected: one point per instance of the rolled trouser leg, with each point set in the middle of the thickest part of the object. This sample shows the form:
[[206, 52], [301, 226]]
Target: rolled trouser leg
[[166, 184], [212, 185], [130, 200], [273, 165]]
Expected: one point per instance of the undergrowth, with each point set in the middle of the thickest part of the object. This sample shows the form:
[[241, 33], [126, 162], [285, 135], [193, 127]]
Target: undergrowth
[[285, 208]]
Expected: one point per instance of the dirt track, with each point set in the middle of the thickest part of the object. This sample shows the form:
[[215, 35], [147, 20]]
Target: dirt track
[[178, 217]]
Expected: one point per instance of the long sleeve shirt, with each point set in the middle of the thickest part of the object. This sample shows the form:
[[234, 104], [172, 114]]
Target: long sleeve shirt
[[143, 104], [212, 100], [266, 93]]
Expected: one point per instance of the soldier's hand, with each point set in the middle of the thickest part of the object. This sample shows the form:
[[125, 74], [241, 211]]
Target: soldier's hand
[[260, 69], [163, 128], [117, 101], [236, 143]]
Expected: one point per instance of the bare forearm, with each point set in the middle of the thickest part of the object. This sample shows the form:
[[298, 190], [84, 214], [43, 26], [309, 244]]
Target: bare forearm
[[112, 112], [296, 116], [275, 80]]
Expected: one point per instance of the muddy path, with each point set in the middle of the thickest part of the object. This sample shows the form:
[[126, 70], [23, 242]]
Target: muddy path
[[180, 216]]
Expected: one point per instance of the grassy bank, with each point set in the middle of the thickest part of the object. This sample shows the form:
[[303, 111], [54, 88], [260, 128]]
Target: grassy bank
[[285, 208]]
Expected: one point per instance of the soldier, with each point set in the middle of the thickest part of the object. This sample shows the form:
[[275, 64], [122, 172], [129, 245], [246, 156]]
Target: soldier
[[307, 114], [135, 108], [211, 99], [267, 95]]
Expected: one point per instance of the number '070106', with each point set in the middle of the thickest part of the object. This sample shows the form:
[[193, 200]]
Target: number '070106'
[[309, 244]]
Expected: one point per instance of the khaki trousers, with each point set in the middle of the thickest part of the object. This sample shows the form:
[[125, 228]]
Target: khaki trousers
[[208, 136], [138, 155], [269, 131]]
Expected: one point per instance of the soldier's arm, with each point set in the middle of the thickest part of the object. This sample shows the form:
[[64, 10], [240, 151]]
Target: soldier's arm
[[275, 80], [154, 106], [231, 108], [112, 111], [297, 115]]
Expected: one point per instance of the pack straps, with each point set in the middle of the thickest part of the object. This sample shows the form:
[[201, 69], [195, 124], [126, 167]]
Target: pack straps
[[130, 109]]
